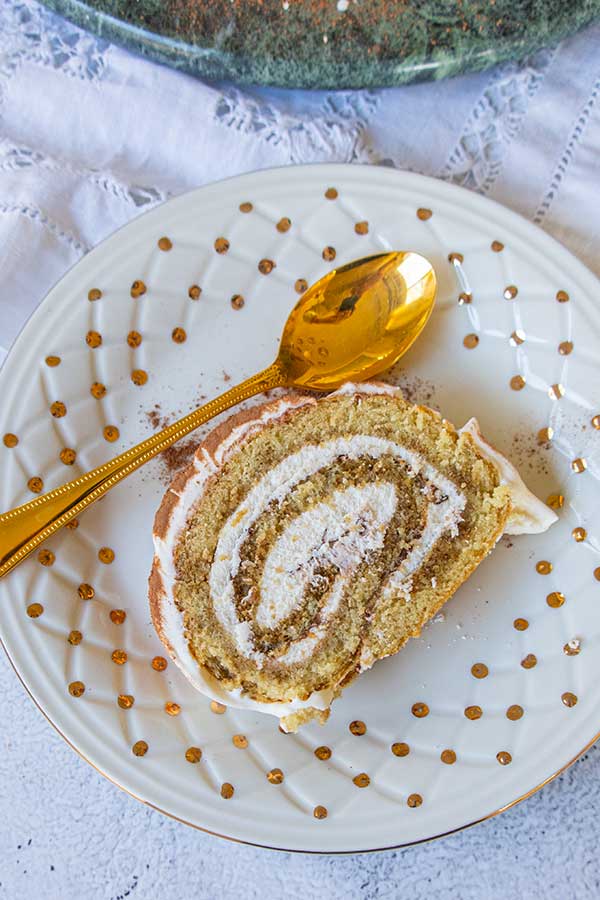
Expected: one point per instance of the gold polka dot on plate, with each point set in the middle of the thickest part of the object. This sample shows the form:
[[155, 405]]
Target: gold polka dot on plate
[[284, 225], [172, 709], [597, 573], [545, 434], [194, 292], [10, 440], [362, 780], [97, 390], [227, 790], [159, 664], [504, 757], [221, 245], [470, 341], [362, 227], [106, 555], [479, 670], [217, 708], [423, 213], [514, 712], [246, 207], [529, 661], [399, 748], [579, 465], [465, 297], [134, 339], [555, 600], [329, 254], [165, 244], [72, 525], [448, 757], [119, 657], [420, 710], [497, 246], [569, 699], [556, 391], [58, 409], [237, 301], [74, 637], [77, 688], [323, 753], [565, 347], [320, 812], [520, 624], [53, 361], [240, 741], [357, 727], [266, 266], [46, 557], [86, 591], [193, 754], [94, 294], [125, 701], [111, 433], [68, 456], [35, 610], [517, 382], [300, 285], [139, 377], [456, 258], [555, 501], [414, 800], [572, 647], [93, 339], [178, 335], [510, 292], [517, 338], [138, 288], [562, 296], [596, 423], [331, 193], [473, 712], [275, 776], [140, 748], [543, 567]]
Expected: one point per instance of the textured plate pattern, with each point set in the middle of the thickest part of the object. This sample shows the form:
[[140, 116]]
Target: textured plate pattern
[[477, 712]]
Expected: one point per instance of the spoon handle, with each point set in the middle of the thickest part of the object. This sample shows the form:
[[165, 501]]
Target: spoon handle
[[26, 527]]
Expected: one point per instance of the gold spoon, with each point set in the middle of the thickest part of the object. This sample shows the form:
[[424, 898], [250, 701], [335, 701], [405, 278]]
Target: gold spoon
[[353, 323]]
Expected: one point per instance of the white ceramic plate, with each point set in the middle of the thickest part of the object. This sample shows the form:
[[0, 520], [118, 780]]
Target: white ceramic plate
[[223, 343]]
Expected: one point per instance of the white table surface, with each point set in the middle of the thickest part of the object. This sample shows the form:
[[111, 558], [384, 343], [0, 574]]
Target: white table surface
[[90, 136]]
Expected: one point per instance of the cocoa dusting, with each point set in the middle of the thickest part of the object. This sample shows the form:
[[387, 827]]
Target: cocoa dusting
[[156, 418], [176, 457], [226, 376]]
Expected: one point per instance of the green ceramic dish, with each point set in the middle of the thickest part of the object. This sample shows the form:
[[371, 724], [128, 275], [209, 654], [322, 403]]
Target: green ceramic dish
[[330, 43]]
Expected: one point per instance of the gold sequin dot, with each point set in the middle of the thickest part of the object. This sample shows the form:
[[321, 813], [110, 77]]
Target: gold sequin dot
[[529, 661], [58, 409], [134, 339], [165, 244], [596, 423], [562, 296], [543, 567], [323, 753], [77, 688], [194, 292], [73, 524], [579, 534], [178, 335], [35, 484], [94, 294], [68, 456], [284, 225], [479, 670], [520, 624], [362, 227], [555, 599], [545, 434], [10, 440], [138, 288], [227, 791], [517, 338], [569, 699], [46, 557], [362, 780], [275, 776], [246, 207], [240, 741], [331, 193], [119, 657], [217, 708], [193, 754], [329, 254], [423, 213], [93, 339], [221, 245], [514, 712], [125, 701], [464, 298], [556, 391], [106, 555], [74, 637], [572, 647], [579, 465], [455, 257], [565, 347], [237, 301], [139, 377], [517, 382], [53, 361], [504, 757], [300, 285], [470, 341], [414, 800], [555, 501], [86, 591], [172, 709], [266, 266], [420, 710], [159, 664], [117, 616], [140, 748], [497, 246], [357, 727], [320, 812], [473, 712], [34, 610], [597, 573], [510, 292], [111, 433], [97, 390], [448, 757], [400, 749]]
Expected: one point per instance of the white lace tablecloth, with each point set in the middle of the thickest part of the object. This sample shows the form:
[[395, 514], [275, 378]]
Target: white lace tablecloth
[[91, 136]]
